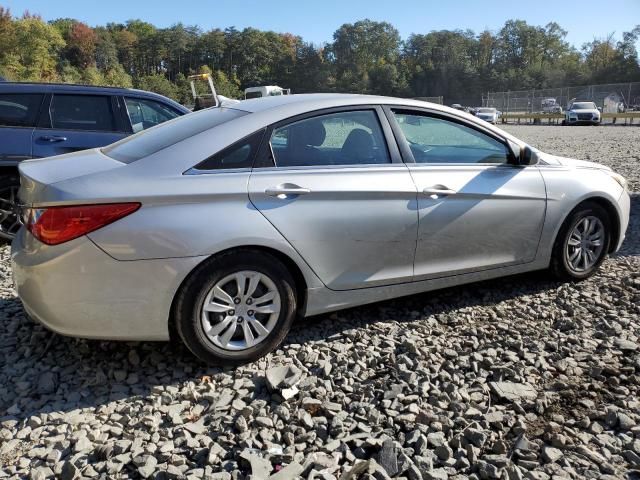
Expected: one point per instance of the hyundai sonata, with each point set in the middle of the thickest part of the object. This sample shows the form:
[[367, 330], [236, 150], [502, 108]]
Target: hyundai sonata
[[225, 224]]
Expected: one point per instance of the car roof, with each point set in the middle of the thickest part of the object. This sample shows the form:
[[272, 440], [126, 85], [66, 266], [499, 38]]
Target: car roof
[[34, 87], [317, 101]]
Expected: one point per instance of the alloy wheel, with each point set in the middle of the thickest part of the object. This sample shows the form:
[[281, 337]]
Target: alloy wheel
[[585, 244], [241, 310]]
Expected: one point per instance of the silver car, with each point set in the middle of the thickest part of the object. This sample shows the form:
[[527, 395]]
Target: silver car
[[225, 224]]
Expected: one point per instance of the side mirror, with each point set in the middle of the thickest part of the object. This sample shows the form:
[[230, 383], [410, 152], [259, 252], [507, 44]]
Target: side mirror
[[522, 155], [529, 156]]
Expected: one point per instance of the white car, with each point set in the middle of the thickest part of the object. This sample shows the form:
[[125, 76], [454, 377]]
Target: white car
[[585, 113], [490, 115]]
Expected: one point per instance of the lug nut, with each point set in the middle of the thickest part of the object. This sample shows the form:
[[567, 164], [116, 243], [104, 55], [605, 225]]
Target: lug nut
[[250, 313], [240, 319], [236, 300], [249, 301], [232, 313]]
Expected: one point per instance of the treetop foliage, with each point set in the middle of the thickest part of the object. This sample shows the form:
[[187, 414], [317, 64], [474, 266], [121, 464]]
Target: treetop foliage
[[364, 57]]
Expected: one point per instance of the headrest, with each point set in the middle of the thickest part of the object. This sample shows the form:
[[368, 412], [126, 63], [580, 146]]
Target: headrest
[[309, 132], [358, 145]]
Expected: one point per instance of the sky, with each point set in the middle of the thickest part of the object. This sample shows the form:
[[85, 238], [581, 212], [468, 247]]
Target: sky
[[315, 21]]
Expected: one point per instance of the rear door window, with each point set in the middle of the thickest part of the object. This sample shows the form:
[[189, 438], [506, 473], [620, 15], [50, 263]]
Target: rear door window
[[145, 113], [341, 138], [82, 112], [19, 109]]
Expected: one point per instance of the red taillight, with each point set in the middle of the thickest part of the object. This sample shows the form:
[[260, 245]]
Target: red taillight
[[55, 225]]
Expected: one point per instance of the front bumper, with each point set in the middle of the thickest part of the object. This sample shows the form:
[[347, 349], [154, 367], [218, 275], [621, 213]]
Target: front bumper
[[624, 203], [576, 121], [78, 290]]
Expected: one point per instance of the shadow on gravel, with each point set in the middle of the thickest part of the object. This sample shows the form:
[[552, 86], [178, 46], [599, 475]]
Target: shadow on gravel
[[42, 372]]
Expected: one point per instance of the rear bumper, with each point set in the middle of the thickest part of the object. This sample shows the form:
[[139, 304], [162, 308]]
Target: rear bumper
[[76, 289]]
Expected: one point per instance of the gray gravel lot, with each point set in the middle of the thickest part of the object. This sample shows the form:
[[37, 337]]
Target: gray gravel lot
[[615, 146], [515, 378]]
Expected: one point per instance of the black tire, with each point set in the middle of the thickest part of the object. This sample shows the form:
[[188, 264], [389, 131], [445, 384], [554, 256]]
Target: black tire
[[8, 182], [192, 294], [560, 266]]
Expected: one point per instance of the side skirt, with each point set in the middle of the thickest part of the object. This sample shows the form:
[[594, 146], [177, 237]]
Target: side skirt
[[323, 300]]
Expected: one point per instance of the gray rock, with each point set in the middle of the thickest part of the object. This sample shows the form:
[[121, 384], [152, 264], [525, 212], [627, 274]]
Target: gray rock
[[285, 376], [290, 472], [149, 467], [514, 392], [551, 454], [388, 457], [625, 345], [436, 474], [69, 471], [47, 383]]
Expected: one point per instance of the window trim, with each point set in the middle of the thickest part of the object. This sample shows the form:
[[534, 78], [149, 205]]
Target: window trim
[[265, 160], [38, 112], [407, 155], [46, 119]]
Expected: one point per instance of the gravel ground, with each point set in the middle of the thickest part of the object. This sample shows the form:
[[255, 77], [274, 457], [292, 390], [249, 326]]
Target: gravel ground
[[513, 378]]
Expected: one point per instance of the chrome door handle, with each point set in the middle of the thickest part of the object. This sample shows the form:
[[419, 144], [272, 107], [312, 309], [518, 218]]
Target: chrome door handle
[[286, 189], [439, 190], [53, 138]]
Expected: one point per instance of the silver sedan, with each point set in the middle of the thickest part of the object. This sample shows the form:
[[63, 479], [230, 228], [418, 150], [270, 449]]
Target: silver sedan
[[225, 224]]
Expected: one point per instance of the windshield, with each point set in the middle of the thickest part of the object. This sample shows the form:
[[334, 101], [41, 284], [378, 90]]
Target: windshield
[[486, 110], [157, 138], [583, 106]]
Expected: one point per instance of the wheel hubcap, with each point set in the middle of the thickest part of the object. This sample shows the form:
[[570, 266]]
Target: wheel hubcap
[[9, 220], [585, 244], [240, 310]]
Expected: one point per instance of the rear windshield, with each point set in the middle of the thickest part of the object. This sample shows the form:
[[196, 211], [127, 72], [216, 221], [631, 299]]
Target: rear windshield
[[150, 141]]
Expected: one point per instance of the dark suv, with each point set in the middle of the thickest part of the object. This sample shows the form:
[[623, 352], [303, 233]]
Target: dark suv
[[42, 120]]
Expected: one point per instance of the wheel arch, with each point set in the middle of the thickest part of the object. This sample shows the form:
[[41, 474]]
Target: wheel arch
[[608, 205], [612, 211], [293, 268]]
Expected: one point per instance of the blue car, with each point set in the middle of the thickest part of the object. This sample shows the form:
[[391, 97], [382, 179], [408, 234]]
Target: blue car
[[41, 120]]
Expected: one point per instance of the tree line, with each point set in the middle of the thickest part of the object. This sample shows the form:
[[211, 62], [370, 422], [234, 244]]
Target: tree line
[[363, 57]]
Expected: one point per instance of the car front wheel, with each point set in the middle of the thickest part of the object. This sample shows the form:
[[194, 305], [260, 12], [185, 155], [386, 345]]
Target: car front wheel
[[582, 243], [235, 308]]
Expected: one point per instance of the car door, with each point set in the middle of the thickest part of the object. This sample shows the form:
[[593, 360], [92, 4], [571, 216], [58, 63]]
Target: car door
[[477, 210], [77, 121], [337, 190], [18, 116]]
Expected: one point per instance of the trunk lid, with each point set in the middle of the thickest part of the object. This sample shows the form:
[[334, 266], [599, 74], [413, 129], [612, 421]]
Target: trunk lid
[[38, 176]]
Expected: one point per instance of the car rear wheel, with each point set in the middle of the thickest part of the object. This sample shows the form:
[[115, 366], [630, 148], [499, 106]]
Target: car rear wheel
[[582, 243], [9, 221], [235, 308]]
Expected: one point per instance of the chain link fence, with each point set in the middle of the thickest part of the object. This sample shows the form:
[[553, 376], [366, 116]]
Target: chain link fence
[[611, 98]]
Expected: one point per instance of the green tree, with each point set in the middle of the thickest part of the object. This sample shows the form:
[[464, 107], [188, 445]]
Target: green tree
[[159, 84], [359, 47], [34, 52]]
